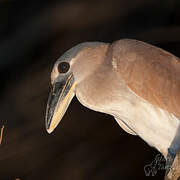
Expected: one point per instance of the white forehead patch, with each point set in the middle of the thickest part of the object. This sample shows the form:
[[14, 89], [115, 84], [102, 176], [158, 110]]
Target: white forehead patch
[[54, 73]]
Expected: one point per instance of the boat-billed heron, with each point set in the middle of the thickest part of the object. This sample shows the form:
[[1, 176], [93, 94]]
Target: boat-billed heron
[[137, 83]]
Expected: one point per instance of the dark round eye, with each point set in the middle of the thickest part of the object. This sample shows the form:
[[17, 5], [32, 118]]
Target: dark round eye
[[63, 67]]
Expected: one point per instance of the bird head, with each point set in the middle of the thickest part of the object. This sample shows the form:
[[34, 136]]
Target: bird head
[[73, 67]]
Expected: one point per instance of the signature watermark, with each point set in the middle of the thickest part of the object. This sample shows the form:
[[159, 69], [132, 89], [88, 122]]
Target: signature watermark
[[159, 163]]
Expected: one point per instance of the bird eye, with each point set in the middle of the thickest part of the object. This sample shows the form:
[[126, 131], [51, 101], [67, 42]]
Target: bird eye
[[63, 67]]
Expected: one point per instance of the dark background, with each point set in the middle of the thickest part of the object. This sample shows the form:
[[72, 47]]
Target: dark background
[[86, 145]]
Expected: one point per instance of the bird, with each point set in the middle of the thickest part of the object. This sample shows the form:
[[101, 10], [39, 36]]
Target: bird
[[135, 82]]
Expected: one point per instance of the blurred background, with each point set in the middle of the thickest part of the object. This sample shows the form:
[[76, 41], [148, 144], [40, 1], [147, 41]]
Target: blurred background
[[86, 145]]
